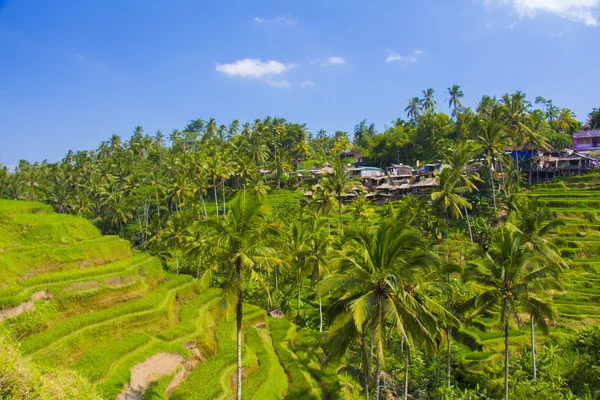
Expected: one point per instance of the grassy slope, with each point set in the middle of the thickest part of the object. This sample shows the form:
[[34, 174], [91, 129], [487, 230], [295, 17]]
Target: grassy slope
[[111, 309], [578, 306]]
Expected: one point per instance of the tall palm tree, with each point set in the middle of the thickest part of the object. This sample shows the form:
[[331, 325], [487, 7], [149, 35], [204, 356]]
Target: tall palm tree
[[378, 284], [413, 109], [454, 102], [448, 197], [493, 141], [324, 202], [428, 102], [240, 237], [175, 233], [340, 183], [536, 223], [509, 273]]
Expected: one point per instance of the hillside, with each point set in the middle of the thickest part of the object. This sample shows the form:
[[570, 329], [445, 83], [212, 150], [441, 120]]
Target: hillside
[[576, 201], [79, 301]]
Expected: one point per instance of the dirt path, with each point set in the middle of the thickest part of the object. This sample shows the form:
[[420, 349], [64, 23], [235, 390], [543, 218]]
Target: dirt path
[[25, 306], [154, 368]]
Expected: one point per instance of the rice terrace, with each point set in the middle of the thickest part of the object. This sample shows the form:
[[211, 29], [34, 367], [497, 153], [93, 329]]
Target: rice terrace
[[340, 219]]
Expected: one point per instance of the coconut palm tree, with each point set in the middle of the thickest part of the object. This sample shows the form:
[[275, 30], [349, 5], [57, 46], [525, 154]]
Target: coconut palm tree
[[510, 274], [413, 109], [174, 233], [324, 202], [536, 223], [428, 103], [340, 183], [493, 141], [378, 286], [240, 238], [454, 102], [448, 197]]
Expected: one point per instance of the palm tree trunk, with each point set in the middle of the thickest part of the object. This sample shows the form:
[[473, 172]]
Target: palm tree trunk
[[177, 260], [506, 360], [365, 361], [328, 225], [216, 196], [377, 377], [224, 203], [469, 224], [276, 282], [406, 373], [448, 356], [239, 332], [493, 190], [299, 290], [203, 205], [320, 315], [341, 219], [533, 350]]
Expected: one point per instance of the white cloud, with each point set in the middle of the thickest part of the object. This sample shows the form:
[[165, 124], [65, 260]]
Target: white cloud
[[404, 60], [331, 61], [557, 34], [275, 20], [574, 10], [279, 83], [257, 69], [307, 83], [253, 67]]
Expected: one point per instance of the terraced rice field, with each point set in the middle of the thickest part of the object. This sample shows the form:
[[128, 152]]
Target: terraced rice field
[[576, 201], [78, 300]]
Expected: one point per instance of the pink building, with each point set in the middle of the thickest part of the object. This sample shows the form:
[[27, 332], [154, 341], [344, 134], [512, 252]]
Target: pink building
[[586, 141]]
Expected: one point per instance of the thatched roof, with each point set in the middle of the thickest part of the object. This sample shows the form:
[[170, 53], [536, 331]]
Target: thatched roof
[[428, 182], [309, 193], [385, 186]]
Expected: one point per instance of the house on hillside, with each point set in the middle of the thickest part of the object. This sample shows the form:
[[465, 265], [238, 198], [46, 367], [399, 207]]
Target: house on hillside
[[370, 176], [400, 173], [585, 141]]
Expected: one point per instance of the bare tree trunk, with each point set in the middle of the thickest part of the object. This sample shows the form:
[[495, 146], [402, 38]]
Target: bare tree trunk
[[449, 356], [493, 191], [224, 201], [533, 350], [341, 219], [320, 315], [299, 291], [406, 373], [366, 362], [377, 377], [216, 196], [239, 333], [469, 224], [203, 205], [506, 361]]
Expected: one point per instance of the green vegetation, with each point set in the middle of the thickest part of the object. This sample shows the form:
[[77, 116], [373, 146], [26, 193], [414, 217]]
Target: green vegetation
[[477, 287]]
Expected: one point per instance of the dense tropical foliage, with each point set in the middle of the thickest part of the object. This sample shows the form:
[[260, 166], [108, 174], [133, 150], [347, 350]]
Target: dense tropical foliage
[[393, 284]]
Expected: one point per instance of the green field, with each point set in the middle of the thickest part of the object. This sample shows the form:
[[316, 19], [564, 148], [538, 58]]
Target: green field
[[85, 304]]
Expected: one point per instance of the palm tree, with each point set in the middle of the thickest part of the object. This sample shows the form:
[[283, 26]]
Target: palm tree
[[448, 198], [413, 110], [175, 233], [240, 237], [378, 284], [340, 183], [454, 101], [493, 141], [510, 273], [323, 200], [428, 103], [536, 223]]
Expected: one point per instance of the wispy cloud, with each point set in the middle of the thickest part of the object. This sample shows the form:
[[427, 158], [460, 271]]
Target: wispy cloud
[[278, 83], [275, 20], [267, 71], [557, 34], [307, 83], [331, 61], [575, 10], [404, 60]]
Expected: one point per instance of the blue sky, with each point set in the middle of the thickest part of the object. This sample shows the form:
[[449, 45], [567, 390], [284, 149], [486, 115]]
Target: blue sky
[[74, 72]]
